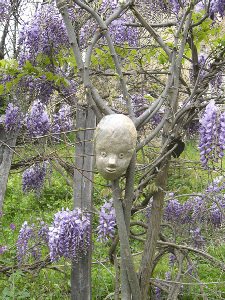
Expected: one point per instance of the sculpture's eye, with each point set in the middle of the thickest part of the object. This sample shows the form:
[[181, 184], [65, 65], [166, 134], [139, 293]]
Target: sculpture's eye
[[121, 155], [103, 154]]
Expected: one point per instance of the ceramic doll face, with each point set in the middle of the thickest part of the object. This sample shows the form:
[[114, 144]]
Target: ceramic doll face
[[114, 145]]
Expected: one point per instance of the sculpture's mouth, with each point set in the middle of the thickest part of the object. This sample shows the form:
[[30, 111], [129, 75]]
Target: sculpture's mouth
[[109, 170]]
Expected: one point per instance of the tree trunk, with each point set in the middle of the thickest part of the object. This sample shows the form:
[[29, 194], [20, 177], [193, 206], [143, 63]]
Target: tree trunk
[[83, 193], [146, 266], [7, 144]]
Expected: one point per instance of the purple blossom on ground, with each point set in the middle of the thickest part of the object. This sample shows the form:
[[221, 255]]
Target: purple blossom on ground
[[38, 122], [33, 178], [1, 214], [69, 234], [107, 222], [159, 294], [3, 249], [13, 117], [12, 226]]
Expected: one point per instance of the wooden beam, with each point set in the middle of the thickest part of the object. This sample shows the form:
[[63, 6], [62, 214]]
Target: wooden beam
[[7, 145], [83, 195]]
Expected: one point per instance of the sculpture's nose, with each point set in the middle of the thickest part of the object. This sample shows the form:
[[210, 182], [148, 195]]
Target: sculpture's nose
[[112, 161]]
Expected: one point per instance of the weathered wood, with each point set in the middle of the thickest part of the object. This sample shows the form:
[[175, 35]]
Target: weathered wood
[[83, 194], [7, 145]]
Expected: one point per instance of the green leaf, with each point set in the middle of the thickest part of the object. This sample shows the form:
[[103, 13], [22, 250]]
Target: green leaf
[[94, 60], [57, 81], [134, 51], [2, 63], [2, 89], [65, 81], [49, 76], [149, 97], [47, 60], [8, 86], [126, 66], [133, 64], [28, 66], [16, 80], [188, 53], [117, 75], [98, 51]]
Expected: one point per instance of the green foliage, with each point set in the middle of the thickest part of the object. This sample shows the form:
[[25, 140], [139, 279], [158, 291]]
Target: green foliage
[[205, 32], [11, 68]]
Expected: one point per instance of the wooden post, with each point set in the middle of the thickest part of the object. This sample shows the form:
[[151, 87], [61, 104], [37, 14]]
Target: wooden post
[[83, 195], [7, 144]]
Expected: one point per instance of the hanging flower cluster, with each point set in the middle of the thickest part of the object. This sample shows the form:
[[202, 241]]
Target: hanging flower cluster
[[30, 240], [118, 29], [107, 222], [33, 178], [216, 7], [13, 118], [212, 135], [38, 122], [69, 234], [45, 34], [62, 121]]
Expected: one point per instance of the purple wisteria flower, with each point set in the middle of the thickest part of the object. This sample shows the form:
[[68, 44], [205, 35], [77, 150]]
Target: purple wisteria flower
[[3, 249], [12, 226], [13, 118], [5, 10], [173, 211], [62, 121], [119, 30], [204, 65], [33, 178], [172, 259], [107, 222], [38, 122], [69, 235], [216, 8], [190, 218], [169, 7], [30, 240], [45, 34], [209, 145], [199, 240], [25, 241]]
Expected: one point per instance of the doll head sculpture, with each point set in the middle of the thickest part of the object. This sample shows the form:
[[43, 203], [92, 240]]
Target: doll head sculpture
[[115, 141]]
